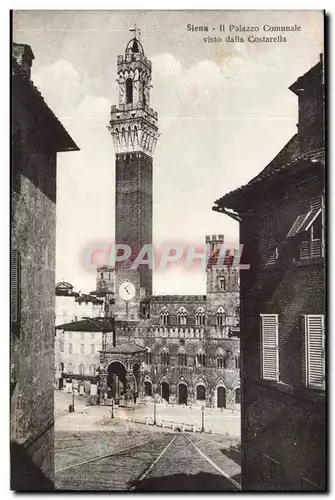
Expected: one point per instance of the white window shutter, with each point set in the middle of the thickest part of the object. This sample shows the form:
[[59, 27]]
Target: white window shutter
[[315, 351], [270, 347]]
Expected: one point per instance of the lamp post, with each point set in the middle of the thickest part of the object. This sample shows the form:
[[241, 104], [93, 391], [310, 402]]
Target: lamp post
[[203, 418], [155, 423], [112, 407]]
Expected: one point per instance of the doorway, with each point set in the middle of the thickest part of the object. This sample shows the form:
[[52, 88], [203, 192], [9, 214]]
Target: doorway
[[148, 388], [201, 392], [221, 397], [182, 393], [238, 396], [165, 391]]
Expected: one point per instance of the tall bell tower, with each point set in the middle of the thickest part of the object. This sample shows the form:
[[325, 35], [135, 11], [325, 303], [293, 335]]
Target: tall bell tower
[[133, 126]]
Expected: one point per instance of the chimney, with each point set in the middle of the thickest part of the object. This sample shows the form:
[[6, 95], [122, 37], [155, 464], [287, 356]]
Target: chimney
[[24, 57]]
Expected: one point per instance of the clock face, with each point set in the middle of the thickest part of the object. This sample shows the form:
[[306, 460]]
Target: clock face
[[127, 290]]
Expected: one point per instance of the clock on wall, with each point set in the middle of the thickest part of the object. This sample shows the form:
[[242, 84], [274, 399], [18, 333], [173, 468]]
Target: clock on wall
[[127, 290]]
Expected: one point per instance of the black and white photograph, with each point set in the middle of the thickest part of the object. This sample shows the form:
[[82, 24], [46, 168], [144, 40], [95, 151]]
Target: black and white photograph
[[168, 251]]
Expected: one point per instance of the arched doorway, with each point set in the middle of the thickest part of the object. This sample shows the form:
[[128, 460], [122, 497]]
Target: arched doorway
[[221, 397], [165, 391], [116, 380], [148, 388], [238, 395], [182, 394], [201, 393]]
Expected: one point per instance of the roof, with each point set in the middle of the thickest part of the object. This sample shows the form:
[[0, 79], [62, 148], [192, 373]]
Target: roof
[[127, 348], [89, 325], [311, 78], [46, 118], [64, 285], [178, 298]]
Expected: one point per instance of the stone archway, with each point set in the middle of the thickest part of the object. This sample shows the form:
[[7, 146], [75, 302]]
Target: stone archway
[[200, 392], [117, 380], [221, 397], [148, 388], [165, 391], [182, 393]]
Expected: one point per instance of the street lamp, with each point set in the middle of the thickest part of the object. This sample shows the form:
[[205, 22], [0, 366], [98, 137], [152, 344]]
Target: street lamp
[[203, 418], [155, 423], [112, 407]]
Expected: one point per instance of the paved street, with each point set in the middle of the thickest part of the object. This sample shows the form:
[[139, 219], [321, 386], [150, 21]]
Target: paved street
[[95, 452], [89, 418], [163, 461]]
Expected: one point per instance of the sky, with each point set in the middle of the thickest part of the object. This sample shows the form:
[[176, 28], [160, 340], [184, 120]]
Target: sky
[[224, 113]]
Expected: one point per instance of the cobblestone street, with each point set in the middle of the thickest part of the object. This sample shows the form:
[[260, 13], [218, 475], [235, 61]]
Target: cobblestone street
[[96, 452]]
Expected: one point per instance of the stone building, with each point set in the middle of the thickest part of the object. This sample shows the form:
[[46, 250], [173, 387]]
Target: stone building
[[283, 338], [185, 349], [37, 136], [75, 352]]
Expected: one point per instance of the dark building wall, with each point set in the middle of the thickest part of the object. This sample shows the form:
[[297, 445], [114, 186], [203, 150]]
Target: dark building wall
[[33, 235], [282, 420]]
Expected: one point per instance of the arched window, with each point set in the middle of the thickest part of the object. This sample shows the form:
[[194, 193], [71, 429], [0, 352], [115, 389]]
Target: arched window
[[237, 362], [165, 357], [129, 91], [222, 283], [220, 360], [220, 317], [182, 316], [164, 314], [201, 359], [148, 357], [81, 369], [200, 317], [182, 359], [69, 368], [92, 370]]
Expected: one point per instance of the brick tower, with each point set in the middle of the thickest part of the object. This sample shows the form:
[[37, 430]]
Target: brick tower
[[133, 126]]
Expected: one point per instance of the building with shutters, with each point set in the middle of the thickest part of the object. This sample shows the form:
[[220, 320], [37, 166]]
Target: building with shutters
[[37, 136], [282, 226]]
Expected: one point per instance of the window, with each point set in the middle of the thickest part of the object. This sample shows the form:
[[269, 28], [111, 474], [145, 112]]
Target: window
[[201, 359], [165, 358], [81, 334], [268, 239], [148, 357], [15, 289], [182, 359], [61, 346], [164, 314], [237, 362], [220, 361], [82, 349], [129, 91], [200, 317], [92, 335], [313, 351], [70, 348], [69, 368], [222, 283], [271, 473], [70, 335], [182, 316], [269, 347], [92, 348], [92, 370], [220, 317], [308, 226], [81, 369]]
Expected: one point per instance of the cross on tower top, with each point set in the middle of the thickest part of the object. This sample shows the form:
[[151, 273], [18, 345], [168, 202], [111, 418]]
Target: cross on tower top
[[136, 31]]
